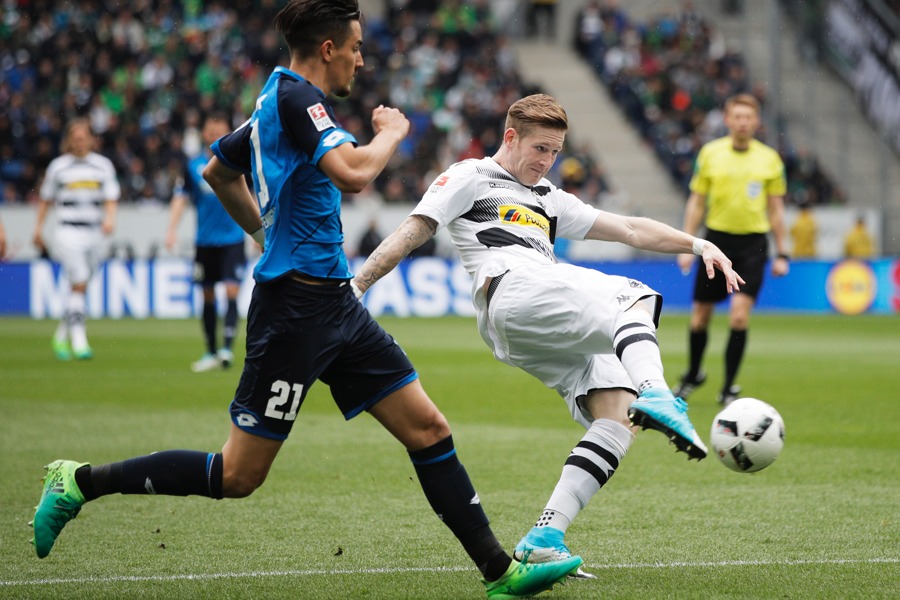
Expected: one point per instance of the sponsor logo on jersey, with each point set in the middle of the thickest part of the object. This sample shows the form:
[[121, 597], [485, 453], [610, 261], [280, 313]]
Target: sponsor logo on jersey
[[439, 183], [513, 213], [320, 117], [332, 139], [83, 185], [495, 184]]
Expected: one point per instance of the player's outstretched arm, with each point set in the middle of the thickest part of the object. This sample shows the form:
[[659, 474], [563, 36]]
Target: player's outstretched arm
[[412, 233], [647, 234]]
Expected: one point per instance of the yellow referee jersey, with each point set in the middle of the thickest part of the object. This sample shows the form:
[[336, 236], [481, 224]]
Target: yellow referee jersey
[[737, 185]]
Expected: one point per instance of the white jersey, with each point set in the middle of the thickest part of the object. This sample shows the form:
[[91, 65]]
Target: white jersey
[[497, 223], [554, 321], [79, 187]]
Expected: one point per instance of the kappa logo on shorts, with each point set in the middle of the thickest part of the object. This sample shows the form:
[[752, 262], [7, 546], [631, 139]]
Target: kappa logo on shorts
[[320, 117], [622, 298]]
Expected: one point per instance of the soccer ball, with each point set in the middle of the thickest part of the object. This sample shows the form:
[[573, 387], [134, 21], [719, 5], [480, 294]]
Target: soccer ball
[[747, 435]]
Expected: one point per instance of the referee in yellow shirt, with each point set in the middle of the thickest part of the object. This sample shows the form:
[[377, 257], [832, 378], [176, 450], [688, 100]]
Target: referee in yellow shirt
[[737, 192]]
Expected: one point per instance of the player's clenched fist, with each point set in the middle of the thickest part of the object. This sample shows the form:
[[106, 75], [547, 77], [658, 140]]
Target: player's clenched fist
[[387, 118]]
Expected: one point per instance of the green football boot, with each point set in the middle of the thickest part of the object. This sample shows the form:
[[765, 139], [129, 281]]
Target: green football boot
[[523, 579], [61, 349], [61, 500]]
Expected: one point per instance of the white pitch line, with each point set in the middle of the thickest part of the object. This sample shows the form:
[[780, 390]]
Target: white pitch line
[[308, 572]]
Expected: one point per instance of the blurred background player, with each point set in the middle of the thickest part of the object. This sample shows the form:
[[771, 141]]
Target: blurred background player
[[737, 192], [84, 187], [219, 254]]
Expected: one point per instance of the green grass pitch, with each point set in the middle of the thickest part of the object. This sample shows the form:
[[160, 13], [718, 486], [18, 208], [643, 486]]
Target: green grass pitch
[[342, 516]]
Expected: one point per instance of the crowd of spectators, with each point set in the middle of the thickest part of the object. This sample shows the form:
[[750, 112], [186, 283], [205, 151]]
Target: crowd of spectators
[[671, 76], [143, 72], [146, 72]]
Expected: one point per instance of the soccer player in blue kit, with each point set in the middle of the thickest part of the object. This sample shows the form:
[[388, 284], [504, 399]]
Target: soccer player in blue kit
[[219, 253], [305, 322]]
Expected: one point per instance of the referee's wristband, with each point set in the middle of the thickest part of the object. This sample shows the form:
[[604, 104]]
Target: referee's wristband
[[698, 246], [786, 257]]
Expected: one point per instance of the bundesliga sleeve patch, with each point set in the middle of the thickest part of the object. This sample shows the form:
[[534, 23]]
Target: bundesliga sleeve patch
[[439, 184], [320, 117]]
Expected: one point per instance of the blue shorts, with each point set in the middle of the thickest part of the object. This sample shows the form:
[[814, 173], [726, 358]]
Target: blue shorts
[[298, 333], [213, 264]]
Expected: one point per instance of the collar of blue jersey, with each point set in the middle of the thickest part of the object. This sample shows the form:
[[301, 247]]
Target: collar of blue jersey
[[297, 76]]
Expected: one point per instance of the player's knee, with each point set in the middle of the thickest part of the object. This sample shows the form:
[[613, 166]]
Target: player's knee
[[611, 404], [241, 484], [430, 428], [739, 321], [436, 427]]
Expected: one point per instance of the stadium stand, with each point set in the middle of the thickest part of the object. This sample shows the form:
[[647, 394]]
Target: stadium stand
[[145, 73], [670, 75]]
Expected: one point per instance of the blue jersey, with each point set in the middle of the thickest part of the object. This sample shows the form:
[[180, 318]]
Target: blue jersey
[[280, 146], [215, 227]]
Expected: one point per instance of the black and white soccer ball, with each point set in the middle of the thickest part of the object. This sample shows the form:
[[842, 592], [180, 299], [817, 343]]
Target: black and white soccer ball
[[747, 435]]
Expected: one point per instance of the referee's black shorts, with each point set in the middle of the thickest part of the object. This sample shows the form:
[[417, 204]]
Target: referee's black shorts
[[299, 332], [748, 253], [213, 264]]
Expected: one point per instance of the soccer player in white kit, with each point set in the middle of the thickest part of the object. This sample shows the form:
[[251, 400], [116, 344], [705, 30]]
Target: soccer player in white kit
[[588, 335], [85, 190]]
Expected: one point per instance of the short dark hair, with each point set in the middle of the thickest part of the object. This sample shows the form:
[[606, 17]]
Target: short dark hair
[[306, 24]]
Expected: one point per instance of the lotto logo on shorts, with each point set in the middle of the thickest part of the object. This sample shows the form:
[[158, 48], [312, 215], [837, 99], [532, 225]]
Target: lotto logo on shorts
[[320, 117]]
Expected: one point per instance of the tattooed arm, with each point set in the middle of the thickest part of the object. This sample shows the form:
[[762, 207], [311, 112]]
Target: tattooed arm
[[412, 233]]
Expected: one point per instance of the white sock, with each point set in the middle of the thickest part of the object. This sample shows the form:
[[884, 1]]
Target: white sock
[[77, 330], [62, 330], [638, 349], [590, 465]]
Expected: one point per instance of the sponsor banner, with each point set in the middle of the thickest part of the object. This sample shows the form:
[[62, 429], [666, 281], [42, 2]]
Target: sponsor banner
[[431, 287]]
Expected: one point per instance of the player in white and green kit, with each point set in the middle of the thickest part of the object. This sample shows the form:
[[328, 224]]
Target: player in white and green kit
[[588, 335]]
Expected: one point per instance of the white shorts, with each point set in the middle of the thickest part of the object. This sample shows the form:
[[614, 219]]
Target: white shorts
[[557, 322], [79, 250]]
